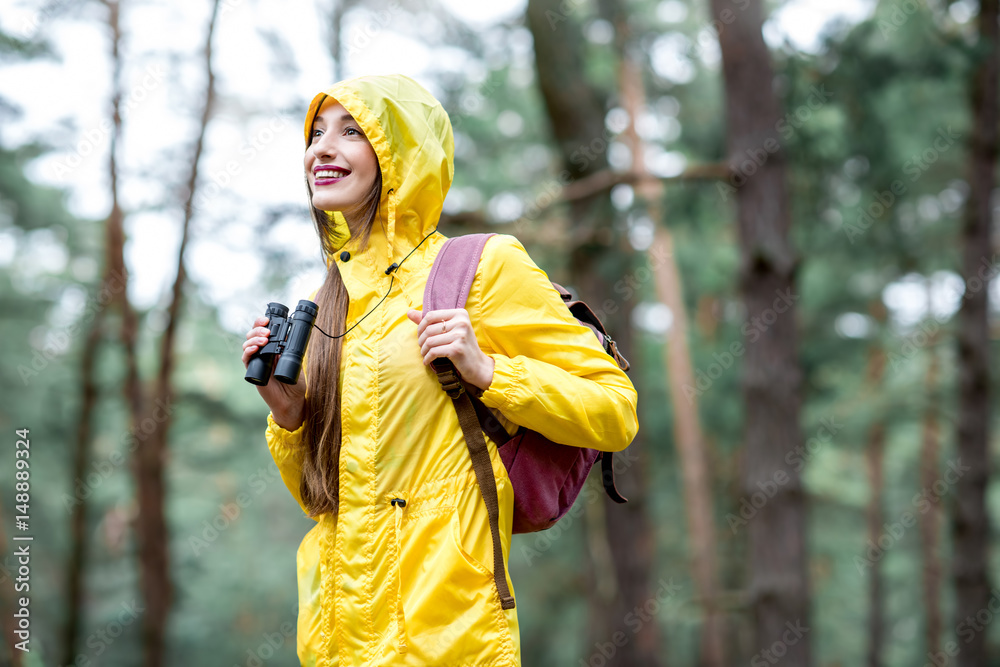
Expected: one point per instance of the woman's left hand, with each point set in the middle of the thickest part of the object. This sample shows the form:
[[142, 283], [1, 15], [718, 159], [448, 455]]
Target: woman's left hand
[[448, 333]]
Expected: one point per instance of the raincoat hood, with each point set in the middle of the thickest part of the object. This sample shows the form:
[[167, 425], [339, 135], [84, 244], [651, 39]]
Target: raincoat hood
[[412, 137]]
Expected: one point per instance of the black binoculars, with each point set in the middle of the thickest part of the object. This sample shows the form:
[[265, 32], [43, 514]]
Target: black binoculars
[[288, 338]]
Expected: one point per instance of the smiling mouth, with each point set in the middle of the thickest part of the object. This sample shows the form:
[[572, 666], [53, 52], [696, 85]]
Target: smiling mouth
[[328, 175]]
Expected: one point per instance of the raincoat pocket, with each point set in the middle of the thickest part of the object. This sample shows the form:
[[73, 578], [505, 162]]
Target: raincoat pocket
[[456, 534], [448, 598]]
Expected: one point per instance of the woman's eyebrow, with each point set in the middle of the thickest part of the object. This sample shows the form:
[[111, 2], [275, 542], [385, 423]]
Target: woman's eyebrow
[[343, 119]]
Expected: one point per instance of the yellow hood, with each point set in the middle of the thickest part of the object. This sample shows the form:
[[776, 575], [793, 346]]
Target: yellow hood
[[412, 137]]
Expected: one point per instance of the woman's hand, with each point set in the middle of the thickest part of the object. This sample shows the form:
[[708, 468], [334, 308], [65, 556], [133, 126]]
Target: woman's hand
[[287, 402], [448, 333]]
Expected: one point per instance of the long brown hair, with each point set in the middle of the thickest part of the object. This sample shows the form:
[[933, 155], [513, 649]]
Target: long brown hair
[[320, 465]]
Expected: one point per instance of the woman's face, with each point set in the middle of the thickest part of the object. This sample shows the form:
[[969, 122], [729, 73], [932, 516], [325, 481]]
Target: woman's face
[[340, 163]]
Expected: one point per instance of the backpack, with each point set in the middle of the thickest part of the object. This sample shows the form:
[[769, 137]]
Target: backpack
[[546, 477]]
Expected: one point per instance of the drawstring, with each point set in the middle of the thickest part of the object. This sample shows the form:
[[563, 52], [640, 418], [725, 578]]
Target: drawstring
[[392, 221], [399, 504]]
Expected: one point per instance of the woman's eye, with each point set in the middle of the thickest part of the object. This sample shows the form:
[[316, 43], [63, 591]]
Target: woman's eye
[[352, 129]]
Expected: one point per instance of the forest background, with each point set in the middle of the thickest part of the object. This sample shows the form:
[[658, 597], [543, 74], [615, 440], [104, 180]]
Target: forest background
[[783, 211]]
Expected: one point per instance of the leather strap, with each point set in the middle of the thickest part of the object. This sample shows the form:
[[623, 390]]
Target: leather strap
[[480, 455], [448, 286], [487, 420]]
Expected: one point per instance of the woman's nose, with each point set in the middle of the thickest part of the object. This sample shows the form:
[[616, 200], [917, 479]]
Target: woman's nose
[[325, 146]]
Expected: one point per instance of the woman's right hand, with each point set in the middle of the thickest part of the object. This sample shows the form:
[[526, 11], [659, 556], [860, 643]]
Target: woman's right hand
[[287, 402]]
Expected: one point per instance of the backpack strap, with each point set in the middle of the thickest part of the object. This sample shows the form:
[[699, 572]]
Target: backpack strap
[[608, 478], [454, 269], [583, 313], [481, 465], [448, 287]]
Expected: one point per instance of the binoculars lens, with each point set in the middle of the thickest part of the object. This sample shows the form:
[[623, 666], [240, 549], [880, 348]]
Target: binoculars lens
[[288, 339]]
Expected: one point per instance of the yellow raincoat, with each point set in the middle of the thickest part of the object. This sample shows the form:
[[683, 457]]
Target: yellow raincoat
[[383, 584]]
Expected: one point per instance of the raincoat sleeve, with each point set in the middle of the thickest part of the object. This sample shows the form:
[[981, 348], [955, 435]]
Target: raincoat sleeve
[[286, 450], [551, 374], [286, 446]]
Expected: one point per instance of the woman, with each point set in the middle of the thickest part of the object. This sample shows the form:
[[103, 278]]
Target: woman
[[398, 569]]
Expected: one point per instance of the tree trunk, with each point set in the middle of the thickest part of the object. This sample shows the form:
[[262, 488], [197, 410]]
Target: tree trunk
[[695, 476], [602, 584], [970, 525], [772, 382], [115, 253], [575, 108], [599, 256], [876, 482], [151, 581], [78, 542], [930, 521], [690, 443], [151, 522]]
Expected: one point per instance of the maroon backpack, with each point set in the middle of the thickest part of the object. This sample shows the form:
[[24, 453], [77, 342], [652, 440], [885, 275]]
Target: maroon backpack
[[546, 476]]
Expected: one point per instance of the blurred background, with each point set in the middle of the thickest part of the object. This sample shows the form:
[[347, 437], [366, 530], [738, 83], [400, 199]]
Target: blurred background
[[783, 212]]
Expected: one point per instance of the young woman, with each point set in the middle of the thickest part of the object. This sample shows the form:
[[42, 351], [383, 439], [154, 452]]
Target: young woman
[[398, 569]]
